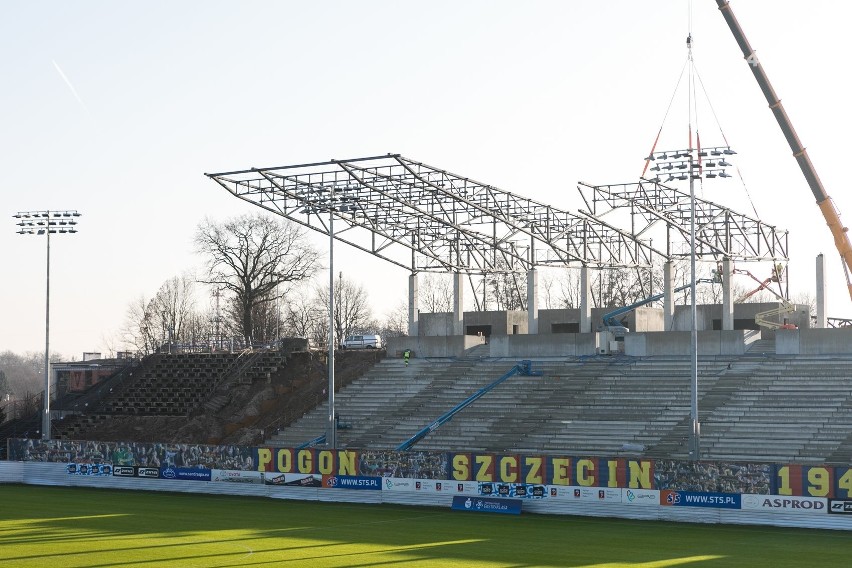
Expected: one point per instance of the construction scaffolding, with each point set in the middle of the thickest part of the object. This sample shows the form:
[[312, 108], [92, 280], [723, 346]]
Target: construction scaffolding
[[425, 219], [656, 209]]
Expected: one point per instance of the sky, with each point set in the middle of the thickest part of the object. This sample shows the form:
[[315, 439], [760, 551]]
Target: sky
[[117, 109]]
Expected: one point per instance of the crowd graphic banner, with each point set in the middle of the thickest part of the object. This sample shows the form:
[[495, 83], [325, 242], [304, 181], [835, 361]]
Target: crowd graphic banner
[[460, 473], [139, 454], [411, 465], [713, 477]]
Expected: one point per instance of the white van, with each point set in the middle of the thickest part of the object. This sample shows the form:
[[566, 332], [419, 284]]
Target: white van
[[362, 342]]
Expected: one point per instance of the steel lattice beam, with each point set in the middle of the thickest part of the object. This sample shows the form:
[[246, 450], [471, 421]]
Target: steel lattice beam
[[426, 219], [720, 231]]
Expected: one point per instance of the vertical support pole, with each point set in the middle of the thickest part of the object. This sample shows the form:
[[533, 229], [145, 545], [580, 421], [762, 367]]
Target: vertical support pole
[[585, 303], [668, 296], [821, 319], [413, 306], [695, 434], [532, 301], [331, 437], [45, 422], [727, 294], [458, 304]]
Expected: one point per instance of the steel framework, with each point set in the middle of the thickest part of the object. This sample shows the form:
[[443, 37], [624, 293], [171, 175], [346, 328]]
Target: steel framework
[[720, 232], [429, 220]]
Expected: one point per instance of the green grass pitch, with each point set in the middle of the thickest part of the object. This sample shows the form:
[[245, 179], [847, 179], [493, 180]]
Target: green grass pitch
[[71, 527]]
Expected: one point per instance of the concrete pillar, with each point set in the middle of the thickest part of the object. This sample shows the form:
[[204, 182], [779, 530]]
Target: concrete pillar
[[727, 294], [821, 320], [413, 306], [668, 296], [458, 303], [585, 300], [532, 302]]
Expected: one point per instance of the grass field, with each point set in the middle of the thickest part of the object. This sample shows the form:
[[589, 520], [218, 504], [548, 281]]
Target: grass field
[[69, 527]]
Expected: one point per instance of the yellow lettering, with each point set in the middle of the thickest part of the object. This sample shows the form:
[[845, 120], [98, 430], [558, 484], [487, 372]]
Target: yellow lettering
[[584, 478], [264, 458], [612, 465], [784, 477], [484, 463], [509, 469], [285, 461], [461, 467], [639, 474], [819, 482], [346, 463], [534, 474], [305, 461], [561, 471], [326, 462]]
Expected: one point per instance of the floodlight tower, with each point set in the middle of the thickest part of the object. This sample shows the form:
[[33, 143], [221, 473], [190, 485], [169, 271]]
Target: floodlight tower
[[692, 164], [45, 223]]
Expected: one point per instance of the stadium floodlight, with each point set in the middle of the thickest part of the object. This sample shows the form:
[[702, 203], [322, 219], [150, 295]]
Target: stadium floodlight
[[698, 168], [45, 223]]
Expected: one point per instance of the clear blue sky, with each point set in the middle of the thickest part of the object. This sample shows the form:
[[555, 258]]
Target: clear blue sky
[[116, 109]]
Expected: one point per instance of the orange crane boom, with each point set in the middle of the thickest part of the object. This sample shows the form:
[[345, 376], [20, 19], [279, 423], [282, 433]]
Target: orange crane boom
[[825, 203]]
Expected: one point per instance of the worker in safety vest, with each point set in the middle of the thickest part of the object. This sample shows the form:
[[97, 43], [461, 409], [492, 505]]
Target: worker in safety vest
[[406, 355]]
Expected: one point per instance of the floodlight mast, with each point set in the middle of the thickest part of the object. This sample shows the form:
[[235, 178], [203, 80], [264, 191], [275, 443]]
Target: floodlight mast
[[45, 223]]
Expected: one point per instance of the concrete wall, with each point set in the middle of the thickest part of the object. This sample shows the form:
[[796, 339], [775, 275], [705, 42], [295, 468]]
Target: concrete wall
[[551, 345], [643, 319], [707, 313], [640, 319], [813, 341], [501, 322], [440, 346], [734, 342], [440, 324]]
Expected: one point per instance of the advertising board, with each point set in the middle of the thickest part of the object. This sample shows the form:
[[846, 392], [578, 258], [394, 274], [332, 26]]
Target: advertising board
[[784, 504]]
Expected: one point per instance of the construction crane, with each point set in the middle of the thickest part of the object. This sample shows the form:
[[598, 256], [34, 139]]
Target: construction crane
[[825, 203]]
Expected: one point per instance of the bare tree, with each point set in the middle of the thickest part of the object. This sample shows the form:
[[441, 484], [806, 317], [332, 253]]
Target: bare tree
[[509, 290], [435, 294], [173, 307], [252, 256], [395, 323], [569, 290], [352, 312], [169, 316], [140, 327], [301, 315], [24, 373]]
